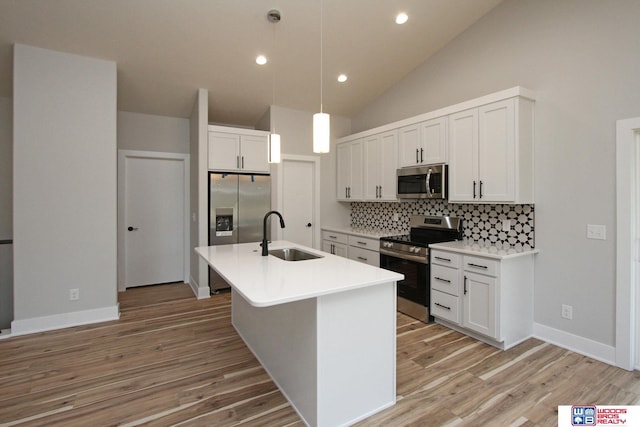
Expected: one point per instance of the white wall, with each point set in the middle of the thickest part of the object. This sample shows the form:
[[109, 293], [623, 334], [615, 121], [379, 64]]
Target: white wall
[[199, 227], [582, 59], [296, 131], [64, 182], [6, 212], [146, 132]]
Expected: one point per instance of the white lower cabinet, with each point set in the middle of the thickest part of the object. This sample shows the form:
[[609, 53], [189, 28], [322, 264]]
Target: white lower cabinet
[[488, 298], [352, 246]]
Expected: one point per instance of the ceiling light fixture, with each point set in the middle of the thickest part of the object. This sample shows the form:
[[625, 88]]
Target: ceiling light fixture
[[261, 60], [342, 78], [321, 121], [274, 138], [402, 18]]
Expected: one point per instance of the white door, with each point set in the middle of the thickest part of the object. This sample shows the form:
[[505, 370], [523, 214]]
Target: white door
[[298, 201], [154, 217]]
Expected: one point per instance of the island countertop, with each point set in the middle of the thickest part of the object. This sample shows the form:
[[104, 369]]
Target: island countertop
[[266, 281]]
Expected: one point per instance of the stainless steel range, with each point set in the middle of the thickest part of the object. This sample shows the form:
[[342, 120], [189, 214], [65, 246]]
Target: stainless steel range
[[408, 254]]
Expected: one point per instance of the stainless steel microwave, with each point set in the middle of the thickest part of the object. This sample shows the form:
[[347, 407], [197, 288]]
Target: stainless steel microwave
[[423, 182]]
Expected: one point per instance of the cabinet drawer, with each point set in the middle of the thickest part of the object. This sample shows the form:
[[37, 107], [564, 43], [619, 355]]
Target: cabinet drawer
[[445, 258], [445, 279], [445, 306], [335, 237], [481, 265], [364, 255], [365, 242]]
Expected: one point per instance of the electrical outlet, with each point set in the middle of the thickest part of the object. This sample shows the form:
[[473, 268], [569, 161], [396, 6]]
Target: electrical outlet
[[74, 294], [396, 217], [506, 225], [598, 232], [567, 311]]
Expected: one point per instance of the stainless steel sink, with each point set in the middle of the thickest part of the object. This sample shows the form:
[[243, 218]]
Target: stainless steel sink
[[293, 254]]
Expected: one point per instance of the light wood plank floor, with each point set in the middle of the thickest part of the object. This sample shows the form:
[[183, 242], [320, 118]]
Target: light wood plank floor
[[172, 360]]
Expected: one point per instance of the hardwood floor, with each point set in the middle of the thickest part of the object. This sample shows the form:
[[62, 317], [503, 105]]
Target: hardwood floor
[[172, 360]]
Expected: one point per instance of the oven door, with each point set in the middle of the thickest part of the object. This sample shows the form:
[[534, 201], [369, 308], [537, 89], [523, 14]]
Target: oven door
[[413, 290], [424, 182]]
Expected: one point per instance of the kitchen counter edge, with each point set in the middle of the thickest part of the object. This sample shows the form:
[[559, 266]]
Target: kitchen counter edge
[[483, 250]]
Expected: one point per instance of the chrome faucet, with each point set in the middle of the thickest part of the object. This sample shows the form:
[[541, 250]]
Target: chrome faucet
[[265, 243]]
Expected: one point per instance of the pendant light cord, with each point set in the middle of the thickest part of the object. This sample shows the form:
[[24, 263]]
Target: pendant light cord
[[321, 53], [273, 77]]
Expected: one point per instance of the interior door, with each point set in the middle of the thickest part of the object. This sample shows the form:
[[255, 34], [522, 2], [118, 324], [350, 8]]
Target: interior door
[[298, 201], [154, 219]]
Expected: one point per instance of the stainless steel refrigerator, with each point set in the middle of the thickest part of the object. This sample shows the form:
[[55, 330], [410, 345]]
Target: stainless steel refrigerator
[[237, 205]]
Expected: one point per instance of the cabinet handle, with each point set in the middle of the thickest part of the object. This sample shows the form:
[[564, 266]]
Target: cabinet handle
[[381, 191], [417, 161], [474, 189], [238, 162], [361, 258], [443, 306], [242, 162], [480, 190], [332, 249], [333, 237], [465, 285], [470, 264], [345, 192], [442, 280], [442, 259], [362, 243], [349, 192], [421, 154]]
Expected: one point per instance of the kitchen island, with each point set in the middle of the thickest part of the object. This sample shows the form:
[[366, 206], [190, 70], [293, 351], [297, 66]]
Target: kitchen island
[[324, 329]]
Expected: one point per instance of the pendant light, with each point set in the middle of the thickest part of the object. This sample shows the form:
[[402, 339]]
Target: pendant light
[[274, 138], [321, 120]]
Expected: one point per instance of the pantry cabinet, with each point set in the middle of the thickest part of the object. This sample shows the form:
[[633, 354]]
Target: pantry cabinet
[[237, 150], [491, 153], [349, 170], [380, 164], [489, 298], [423, 143]]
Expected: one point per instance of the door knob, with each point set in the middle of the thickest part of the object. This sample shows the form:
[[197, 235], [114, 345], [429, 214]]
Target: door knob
[[308, 224], [130, 228]]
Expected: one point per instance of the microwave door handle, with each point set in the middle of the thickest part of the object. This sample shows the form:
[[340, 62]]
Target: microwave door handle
[[428, 181]]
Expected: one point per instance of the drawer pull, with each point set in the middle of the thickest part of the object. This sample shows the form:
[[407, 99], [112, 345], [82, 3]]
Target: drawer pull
[[333, 237], [470, 264], [361, 258], [442, 280], [465, 285], [442, 259], [443, 306], [362, 243]]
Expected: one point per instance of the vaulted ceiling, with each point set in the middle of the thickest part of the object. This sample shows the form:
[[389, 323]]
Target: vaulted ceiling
[[166, 49]]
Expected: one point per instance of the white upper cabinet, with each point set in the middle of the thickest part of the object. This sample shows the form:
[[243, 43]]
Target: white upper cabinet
[[380, 164], [423, 143], [491, 153], [238, 151], [349, 170]]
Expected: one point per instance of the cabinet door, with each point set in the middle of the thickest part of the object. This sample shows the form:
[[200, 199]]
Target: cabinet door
[[357, 172], [433, 134], [388, 166], [496, 156], [254, 152], [463, 156], [371, 167], [343, 168], [409, 146], [479, 304], [223, 151]]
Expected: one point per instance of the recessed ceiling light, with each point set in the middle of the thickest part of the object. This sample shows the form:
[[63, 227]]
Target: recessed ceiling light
[[342, 78], [401, 18], [261, 60]]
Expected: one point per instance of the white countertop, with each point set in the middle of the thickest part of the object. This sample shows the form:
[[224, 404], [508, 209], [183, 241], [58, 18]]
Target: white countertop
[[363, 232], [483, 249], [266, 281]]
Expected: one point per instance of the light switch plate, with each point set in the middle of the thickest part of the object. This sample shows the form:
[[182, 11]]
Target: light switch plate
[[598, 232]]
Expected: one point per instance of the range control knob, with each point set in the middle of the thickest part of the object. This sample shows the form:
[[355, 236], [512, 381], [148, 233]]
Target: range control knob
[[387, 244], [412, 249]]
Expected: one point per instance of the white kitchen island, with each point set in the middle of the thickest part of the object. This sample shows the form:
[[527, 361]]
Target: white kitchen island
[[324, 329]]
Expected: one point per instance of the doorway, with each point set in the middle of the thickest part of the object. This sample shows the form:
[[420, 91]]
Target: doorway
[[628, 243], [298, 199], [153, 203]]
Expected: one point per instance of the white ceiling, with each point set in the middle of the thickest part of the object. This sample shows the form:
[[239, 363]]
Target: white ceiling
[[166, 49]]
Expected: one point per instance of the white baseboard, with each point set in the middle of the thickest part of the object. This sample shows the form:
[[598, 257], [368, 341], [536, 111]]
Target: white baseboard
[[595, 350], [198, 291], [64, 320]]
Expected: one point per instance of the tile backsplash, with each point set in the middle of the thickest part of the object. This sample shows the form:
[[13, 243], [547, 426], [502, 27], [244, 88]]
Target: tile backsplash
[[481, 223]]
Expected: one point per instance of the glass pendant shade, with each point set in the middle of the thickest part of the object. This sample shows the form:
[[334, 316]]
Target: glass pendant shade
[[274, 148], [321, 126]]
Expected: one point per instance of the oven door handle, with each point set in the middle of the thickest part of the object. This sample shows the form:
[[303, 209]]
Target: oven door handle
[[414, 258]]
